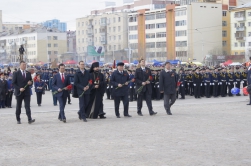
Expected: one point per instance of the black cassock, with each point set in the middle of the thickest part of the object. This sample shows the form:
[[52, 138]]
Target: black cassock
[[95, 105], [3, 89]]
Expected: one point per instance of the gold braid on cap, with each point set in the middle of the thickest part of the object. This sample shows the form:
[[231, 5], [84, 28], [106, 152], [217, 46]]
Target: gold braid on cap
[[141, 58]]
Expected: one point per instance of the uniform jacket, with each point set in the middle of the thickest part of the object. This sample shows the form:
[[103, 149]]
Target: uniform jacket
[[118, 78]]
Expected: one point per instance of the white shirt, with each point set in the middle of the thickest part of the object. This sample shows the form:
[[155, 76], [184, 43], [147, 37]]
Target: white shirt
[[61, 74], [23, 72]]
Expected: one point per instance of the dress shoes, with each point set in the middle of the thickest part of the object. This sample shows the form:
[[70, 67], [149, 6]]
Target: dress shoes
[[64, 120], [79, 116], [55, 105], [182, 98], [140, 114], [102, 117], [153, 113], [60, 119], [128, 116], [169, 113], [84, 120], [118, 116], [18, 122], [31, 121], [39, 105], [69, 102]]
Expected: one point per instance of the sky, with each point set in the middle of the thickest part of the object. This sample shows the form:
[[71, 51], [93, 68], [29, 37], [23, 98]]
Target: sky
[[41, 10]]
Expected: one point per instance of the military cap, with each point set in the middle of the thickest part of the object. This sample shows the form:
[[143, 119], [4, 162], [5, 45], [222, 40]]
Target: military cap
[[120, 64]]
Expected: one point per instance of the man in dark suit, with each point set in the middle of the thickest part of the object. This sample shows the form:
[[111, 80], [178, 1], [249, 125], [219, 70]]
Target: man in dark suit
[[168, 86], [119, 80], [60, 82], [143, 77], [81, 79], [3, 90], [21, 81]]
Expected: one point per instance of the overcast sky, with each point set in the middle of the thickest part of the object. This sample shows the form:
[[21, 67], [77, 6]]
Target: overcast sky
[[42, 10]]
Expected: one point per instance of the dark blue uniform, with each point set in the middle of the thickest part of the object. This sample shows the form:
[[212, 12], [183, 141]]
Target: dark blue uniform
[[207, 83], [39, 92]]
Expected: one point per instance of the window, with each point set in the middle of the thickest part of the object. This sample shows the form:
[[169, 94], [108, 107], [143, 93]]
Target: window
[[160, 15], [49, 44], [249, 43], [114, 37], [150, 35], [114, 19], [236, 44], [224, 43], [133, 28], [150, 45], [83, 24], [249, 24], [150, 26], [55, 38], [110, 47], [49, 37], [118, 19], [249, 14], [249, 33], [150, 54], [110, 38], [224, 33], [83, 40], [55, 52], [119, 37], [181, 53], [180, 13], [55, 45], [160, 54], [134, 46], [95, 31], [119, 47], [83, 48], [160, 44], [224, 13], [242, 44], [114, 47], [150, 17], [160, 34], [132, 37], [114, 29], [181, 43], [161, 25], [133, 19], [180, 23], [235, 53], [83, 32], [242, 53], [119, 28], [110, 29], [78, 32], [224, 23], [181, 33], [49, 52]]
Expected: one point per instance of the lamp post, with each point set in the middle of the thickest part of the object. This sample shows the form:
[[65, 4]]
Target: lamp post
[[202, 40]]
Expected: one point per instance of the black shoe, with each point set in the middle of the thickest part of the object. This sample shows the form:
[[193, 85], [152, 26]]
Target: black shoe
[[18, 122], [69, 102], [84, 120], [118, 116], [55, 105], [64, 120], [169, 113], [39, 105], [31, 121], [59, 119], [79, 116], [182, 98], [131, 101], [153, 113], [102, 117], [128, 116], [140, 114]]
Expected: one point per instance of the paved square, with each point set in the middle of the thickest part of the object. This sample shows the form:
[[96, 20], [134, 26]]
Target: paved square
[[215, 131]]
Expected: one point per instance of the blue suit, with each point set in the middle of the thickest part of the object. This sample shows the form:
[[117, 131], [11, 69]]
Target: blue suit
[[57, 83]]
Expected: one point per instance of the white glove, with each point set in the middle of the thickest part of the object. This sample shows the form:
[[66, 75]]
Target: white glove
[[220, 83], [205, 83], [229, 83], [187, 83], [212, 83], [182, 85], [194, 84], [108, 87], [130, 87], [242, 82], [158, 86], [111, 86], [201, 84]]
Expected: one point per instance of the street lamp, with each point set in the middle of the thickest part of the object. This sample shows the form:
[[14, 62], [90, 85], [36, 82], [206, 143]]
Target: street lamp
[[202, 40]]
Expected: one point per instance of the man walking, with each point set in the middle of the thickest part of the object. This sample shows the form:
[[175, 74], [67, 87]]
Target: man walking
[[143, 77], [168, 86], [21, 82]]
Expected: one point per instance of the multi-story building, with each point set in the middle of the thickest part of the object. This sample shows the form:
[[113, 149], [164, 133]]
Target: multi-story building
[[12, 27], [241, 30], [61, 26], [1, 21], [71, 41], [177, 32], [40, 44], [102, 37]]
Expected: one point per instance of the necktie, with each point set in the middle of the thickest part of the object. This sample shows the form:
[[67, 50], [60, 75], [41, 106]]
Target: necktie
[[63, 77], [23, 75]]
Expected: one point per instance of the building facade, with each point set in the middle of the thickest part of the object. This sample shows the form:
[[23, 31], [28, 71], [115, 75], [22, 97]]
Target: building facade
[[40, 45], [61, 26], [102, 37], [13, 27], [241, 30], [1, 21]]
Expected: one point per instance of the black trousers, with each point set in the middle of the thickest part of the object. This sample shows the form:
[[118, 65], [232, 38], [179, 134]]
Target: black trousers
[[182, 90], [223, 89], [215, 89], [69, 96], [207, 89], [125, 101], [169, 100], [111, 90], [131, 93], [147, 97], [238, 85], [108, 94], [230, 86], [20, 99], [157, 93], [191, 89], [83, 102], [8, 100], [39, 97], [197, 90], [62, 101]]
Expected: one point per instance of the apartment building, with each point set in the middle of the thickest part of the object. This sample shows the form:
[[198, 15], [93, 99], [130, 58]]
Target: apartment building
[[55, 23], [40, 45], [241, 30], [102, 37], [18, 26], [1, 21], [187, 32]]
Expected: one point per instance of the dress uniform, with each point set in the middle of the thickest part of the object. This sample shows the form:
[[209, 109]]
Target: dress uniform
[[238, 79], [223, 83], [230, 80], [207, 83], [197, 81], [215, 82], [182, 77]]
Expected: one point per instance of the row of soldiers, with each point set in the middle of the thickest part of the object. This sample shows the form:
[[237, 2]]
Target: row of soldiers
[[199, 82]]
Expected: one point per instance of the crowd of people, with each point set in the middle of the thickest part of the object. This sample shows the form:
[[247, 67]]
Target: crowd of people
[[139, 84]]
